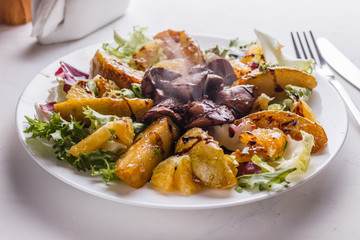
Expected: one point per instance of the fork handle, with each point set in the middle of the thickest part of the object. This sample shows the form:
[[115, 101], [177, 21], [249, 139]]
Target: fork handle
[[345, 96]]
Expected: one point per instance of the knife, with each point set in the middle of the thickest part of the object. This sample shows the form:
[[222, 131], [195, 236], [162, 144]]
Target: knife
[[339, 62]]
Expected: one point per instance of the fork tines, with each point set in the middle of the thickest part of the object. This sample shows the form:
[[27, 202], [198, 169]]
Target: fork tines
[[310, 45]]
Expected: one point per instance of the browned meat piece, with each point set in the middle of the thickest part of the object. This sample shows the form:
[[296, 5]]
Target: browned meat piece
[[239, 99], [161, 83], [111, 68], [223, 68], [155, 82], [204, 113], [169, 107]]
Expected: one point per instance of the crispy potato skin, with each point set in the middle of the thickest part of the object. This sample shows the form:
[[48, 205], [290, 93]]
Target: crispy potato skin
[[253, 53], [273, 81], [208, 160], [111, 68], [120, 107], [147, 55], [152, 146], [177, 44], [290, 123]]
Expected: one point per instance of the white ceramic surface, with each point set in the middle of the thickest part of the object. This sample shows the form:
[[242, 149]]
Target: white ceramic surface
[[324, 101]]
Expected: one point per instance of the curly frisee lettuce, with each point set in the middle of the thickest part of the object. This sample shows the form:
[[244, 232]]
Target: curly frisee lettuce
[[66, 134]]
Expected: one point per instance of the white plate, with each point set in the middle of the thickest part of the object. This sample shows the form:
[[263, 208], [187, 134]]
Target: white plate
[[325, 101]]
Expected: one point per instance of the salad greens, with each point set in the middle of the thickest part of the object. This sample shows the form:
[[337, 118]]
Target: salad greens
[[263, 181], [64, 135], [295, 92], [273, 55], [97, 120], [126, 48], [300, 154]]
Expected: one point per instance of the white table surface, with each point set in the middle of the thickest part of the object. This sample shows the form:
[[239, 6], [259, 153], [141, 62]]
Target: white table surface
[[36, 205]]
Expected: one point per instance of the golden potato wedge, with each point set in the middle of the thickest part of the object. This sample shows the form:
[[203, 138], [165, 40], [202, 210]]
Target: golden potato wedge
[[174, 173], [239, 67], [163, 174], [111, 68], [291, 124], [120, 107], [301, 108], [253, 53], [92, 142], [207, 159], [177, 44], [79, 91], [135, 166], [147, 56], [272, 82], [123, 130]]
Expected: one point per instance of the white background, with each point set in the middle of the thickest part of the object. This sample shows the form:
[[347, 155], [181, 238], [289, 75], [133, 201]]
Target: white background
[[35, 205]]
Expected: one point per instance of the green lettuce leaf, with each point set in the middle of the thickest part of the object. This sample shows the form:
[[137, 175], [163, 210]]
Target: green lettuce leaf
[[300, 154], [263, 181], [295, 92], [126, 48], [64, 134], [273, 55], [97, 119], [101, 162], [264, 166]]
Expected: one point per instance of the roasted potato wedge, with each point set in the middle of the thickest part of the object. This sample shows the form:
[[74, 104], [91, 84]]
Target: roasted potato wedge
[[239, 67], [177, 44], [291, 124], [147, 56], [301, 108], [120, 107], [207, 159], [253, 53], [135, 166], [174, 173], [111, 68], [123, 130], [81, 90], [272, 82]]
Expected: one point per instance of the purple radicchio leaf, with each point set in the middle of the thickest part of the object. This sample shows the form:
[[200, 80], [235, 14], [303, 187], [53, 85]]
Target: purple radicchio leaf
[[47, 108], [70, 75], [248, 168]]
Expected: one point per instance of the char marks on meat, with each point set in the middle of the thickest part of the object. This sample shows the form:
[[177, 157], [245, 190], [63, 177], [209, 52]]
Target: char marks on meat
[[239, 99], [155, 81], [204, 112], [169, 107]]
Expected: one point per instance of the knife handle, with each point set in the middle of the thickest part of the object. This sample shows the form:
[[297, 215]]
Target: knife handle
[[345, 96]]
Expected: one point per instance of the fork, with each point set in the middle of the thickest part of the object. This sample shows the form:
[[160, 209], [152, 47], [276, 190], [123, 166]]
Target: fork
[[323, 69]]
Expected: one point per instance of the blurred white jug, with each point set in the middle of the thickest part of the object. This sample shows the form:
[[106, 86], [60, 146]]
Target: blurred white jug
[[64, 20]]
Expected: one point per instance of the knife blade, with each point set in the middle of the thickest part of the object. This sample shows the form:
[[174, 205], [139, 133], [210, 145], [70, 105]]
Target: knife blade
[[339, 62]]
